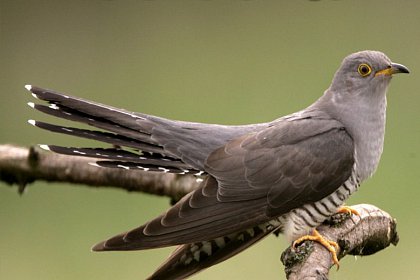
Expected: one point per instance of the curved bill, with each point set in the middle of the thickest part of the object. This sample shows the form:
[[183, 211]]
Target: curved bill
[[395, 68]]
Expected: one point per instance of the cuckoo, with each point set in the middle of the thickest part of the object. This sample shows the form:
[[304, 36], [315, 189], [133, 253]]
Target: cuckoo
[[287, 175]]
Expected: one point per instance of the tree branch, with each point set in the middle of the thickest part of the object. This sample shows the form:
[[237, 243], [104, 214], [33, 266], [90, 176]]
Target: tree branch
[[21, 166], [366, 234], [362, 235]]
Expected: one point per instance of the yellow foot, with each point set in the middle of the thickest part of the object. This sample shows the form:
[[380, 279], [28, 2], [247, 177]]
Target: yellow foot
[[328, 244], [348, 210]]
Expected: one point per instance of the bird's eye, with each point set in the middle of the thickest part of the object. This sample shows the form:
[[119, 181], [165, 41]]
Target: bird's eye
[[364, 69]]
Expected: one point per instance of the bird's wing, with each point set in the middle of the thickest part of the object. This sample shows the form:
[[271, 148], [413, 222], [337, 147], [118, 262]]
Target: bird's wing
[[253, 179], [291, 163]]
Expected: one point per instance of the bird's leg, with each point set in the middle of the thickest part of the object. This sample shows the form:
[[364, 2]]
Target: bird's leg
[[328, 244], [348, 210]]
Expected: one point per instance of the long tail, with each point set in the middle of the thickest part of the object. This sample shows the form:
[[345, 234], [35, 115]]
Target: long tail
[[165, 145], [189, 259]]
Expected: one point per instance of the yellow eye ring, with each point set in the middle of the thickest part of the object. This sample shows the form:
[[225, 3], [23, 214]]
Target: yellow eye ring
[[364, 70]]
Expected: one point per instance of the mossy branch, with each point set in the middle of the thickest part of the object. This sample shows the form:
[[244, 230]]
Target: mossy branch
[[362, 235]]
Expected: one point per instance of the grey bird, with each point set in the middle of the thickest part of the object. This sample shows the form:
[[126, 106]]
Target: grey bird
[[288, 175]]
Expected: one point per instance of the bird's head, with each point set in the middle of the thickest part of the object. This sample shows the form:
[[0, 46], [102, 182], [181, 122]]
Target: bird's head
[[358, 90], [365, 72]]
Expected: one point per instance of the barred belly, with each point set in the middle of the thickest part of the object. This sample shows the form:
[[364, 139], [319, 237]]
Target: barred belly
[[301, 221]]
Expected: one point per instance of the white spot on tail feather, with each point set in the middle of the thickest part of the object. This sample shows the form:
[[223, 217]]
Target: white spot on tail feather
[[188, 261], [206, 248], [28, 87], [193, 248], [220, 242], [32, 122], [54, 106], [31, 104], [123, 166], [196, 255], [164, 169], [251, 232], [45, 147]]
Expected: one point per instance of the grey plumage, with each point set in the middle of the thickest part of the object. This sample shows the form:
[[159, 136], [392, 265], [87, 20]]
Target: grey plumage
[[289, 174]]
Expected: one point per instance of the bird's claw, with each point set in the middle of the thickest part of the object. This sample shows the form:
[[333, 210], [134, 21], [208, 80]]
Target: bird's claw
[[348, 210], [331, 246]]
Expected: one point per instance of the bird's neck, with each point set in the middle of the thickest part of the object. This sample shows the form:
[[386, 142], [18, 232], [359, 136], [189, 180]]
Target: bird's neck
[[365, 122], [369, 140]]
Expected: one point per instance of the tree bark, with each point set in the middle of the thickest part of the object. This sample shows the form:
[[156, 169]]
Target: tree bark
[[363, 235], [21, 166]]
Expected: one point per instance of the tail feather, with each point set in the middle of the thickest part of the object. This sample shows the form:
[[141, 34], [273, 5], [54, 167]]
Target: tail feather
[[93, 120], [106, 137], [145, 167], [115, 115], [189, 259], [118, 158], [188, 141]]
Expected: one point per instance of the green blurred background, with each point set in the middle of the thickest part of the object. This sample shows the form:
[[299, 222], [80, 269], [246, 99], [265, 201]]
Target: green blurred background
[[230, 62]]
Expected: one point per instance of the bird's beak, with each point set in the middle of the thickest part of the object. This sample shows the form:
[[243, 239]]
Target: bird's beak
[[395, 68]]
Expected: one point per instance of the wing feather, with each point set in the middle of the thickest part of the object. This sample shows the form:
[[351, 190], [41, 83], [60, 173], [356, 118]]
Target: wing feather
[[252, 180]]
